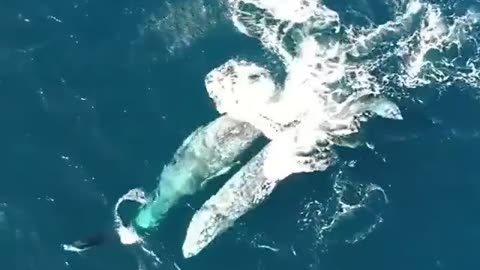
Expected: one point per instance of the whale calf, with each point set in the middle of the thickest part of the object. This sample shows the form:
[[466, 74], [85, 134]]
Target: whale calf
[[209, 151]]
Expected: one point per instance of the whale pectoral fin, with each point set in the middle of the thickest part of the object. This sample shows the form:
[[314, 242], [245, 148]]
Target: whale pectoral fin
[[219, 173], [349, 141]]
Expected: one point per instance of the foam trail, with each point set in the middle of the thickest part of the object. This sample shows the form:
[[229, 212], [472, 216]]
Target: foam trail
[[248, 188], [271, 22], [402, 26], [127, 234], [208, 152]]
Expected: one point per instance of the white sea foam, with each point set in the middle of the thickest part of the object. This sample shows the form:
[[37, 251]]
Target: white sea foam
[[350, 214], [127, 234], [417, 30]]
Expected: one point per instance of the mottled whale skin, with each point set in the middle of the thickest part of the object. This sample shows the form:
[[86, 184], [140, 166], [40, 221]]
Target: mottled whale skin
[[208, 152], [249, 187]]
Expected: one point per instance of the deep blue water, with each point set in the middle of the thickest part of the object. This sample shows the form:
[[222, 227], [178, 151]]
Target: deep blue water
[[91, 106]]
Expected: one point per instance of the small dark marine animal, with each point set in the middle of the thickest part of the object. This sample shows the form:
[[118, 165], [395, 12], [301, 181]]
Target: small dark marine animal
[[95, 240]]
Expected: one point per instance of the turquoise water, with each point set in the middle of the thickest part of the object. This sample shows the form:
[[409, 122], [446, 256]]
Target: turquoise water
[[93, 103]]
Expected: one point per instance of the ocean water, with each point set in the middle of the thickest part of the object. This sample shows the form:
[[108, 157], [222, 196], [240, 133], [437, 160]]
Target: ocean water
[[97, 95]]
